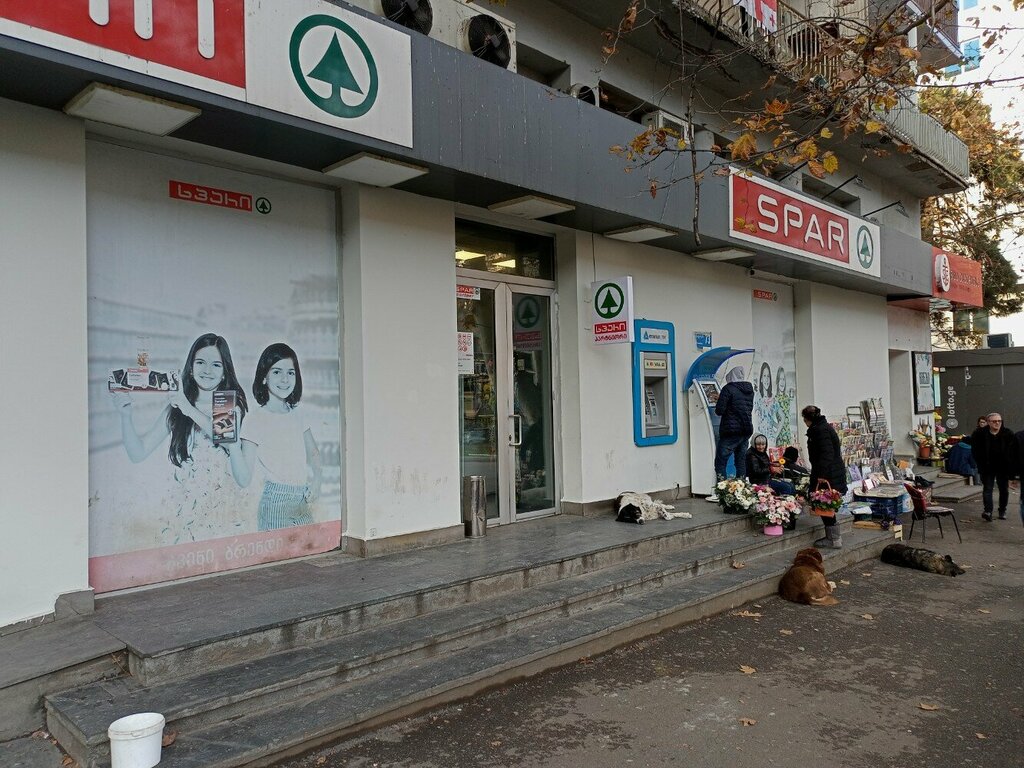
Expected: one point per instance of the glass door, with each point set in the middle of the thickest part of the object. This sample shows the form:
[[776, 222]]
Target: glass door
[[506, 396]]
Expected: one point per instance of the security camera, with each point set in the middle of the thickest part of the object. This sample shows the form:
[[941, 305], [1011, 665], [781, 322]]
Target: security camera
[[751, 272]]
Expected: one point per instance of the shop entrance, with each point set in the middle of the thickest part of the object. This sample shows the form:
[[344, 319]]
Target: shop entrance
[[506, 399]]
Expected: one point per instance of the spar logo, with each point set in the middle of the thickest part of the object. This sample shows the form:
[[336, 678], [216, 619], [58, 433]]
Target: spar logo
[[865, 247], [332, 84]]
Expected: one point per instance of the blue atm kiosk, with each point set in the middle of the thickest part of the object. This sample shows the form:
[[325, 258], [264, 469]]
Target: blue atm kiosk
[[654, 388], [703, 388]]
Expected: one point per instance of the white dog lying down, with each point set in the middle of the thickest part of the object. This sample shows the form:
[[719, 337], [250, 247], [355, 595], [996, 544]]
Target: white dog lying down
[[637, 507]]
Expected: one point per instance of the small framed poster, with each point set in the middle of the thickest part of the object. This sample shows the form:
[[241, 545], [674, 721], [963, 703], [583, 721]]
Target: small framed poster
[[924, 395]]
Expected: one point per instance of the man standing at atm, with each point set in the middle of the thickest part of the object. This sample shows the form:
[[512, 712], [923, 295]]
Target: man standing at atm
[[735, 406]]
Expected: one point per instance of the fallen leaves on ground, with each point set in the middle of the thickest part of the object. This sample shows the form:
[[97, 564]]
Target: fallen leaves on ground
[[496, 743], [867, 616], [981, 735], [586, 661], [737, 564], [785, 631], [832, 585], [321, 760], [68, 761], [928, 707], [748, 614], [984, 610], [747, 670], [748, 721], [867, 574], [844, 582], [169, 738]]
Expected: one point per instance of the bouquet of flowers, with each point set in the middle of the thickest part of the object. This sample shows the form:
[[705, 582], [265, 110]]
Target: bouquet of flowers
[[735, 494], [770, 509], [826, 501], [920, 438]]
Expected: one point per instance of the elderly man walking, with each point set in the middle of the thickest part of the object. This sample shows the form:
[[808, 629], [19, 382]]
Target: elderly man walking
[[995, 452]]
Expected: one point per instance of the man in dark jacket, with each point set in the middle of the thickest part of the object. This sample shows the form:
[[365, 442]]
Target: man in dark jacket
[[995, 452], [735, 405]]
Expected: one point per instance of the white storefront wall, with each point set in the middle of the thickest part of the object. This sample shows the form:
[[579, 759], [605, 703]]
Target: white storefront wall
[[909, 331], [44, 453], [600, 457]]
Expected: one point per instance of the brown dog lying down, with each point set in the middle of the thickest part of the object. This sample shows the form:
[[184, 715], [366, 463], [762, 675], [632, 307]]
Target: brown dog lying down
[[805, 581]]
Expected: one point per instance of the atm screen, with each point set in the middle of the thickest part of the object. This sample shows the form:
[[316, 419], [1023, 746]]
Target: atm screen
[[710, 391]]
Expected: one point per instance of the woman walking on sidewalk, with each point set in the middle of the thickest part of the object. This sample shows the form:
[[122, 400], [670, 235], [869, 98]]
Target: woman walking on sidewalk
[[826, 459]]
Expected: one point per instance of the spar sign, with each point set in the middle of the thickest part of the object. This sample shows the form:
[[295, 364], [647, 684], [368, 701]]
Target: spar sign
[[613, 310], [767, 214], [307, 58]]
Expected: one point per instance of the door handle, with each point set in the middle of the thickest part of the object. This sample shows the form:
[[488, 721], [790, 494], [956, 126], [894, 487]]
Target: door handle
[[516, 438]]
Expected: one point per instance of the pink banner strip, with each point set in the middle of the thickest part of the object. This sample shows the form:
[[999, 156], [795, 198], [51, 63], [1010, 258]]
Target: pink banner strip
[[150, 566]]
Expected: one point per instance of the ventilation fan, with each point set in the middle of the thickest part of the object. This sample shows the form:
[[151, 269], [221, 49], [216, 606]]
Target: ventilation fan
[[412, 14], [489, 41]]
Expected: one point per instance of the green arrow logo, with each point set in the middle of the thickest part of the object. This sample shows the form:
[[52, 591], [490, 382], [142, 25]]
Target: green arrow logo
[[609, 301], [865, 247], [333, 68], [527, 312]]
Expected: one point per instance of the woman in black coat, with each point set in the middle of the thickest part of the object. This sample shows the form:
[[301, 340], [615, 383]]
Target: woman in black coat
[[826, 458]]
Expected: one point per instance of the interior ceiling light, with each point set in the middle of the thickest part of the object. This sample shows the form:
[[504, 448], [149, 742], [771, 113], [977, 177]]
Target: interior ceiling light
[[723, 254], [374, 170], [531, 207], [461, 256], [116, 106], [506, 264], [639, 233]]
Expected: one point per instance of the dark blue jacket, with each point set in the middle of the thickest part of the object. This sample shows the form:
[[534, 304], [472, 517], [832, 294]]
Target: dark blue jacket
[[960, 460], [735, 405]]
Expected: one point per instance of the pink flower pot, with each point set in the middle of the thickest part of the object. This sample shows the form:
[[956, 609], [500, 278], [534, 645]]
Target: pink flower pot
[[773, 530]]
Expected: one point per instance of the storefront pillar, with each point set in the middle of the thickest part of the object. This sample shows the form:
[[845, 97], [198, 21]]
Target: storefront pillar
[[401, 462], [44, 454]]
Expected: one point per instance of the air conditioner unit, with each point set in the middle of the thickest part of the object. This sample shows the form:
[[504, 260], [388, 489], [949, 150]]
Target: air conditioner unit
[[475, 30], [998, 340], [588, 93], [660, 120], [461, 25], [417, 15]]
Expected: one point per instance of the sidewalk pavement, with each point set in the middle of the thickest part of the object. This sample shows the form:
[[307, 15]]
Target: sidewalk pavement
[[910, 669]]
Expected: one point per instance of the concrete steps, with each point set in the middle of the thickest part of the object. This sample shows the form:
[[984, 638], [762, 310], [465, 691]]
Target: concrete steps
[[953, 489], [503, 626]]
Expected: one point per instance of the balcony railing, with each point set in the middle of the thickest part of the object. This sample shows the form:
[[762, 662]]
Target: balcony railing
[[800, 48]]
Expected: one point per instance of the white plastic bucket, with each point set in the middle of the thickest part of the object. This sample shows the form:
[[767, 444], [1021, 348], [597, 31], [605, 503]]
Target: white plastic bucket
[[135, 740]]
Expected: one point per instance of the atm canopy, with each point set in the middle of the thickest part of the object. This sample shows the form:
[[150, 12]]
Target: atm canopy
[[707, 365]]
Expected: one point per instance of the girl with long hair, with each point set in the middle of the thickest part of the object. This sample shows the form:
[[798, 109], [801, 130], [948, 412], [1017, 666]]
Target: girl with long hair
[[279, 439], [187, 420]]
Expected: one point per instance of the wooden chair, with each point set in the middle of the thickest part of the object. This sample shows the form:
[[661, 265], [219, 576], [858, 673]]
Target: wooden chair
[[923, 510]]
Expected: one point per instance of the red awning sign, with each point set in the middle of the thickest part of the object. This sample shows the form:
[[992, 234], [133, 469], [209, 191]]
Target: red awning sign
[[957, 279], [768, 214]]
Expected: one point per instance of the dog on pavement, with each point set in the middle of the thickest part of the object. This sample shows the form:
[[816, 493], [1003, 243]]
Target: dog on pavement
[[921, 559], [805, 581], [632, 507]]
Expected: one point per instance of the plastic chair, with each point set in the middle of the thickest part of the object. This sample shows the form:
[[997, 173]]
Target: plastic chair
[[923, 510]]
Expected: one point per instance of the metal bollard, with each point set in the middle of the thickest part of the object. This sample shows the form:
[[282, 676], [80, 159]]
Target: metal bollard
[[474, 506]]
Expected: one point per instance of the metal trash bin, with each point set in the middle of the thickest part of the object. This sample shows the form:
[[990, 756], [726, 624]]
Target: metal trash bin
[[474, 506]]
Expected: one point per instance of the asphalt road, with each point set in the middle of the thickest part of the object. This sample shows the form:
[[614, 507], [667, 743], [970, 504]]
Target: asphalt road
[[910, 669]]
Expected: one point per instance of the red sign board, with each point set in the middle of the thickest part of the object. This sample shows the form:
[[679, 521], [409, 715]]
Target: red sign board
[[182, 190], [768, 214], [760, 293], [201, 37], [962, 275]]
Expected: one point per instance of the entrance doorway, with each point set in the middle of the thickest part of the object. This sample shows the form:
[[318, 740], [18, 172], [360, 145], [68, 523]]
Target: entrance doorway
[[506, 395]]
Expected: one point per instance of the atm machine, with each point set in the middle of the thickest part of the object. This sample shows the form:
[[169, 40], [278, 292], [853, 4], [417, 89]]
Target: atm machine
[[703, 389], [654, 388]]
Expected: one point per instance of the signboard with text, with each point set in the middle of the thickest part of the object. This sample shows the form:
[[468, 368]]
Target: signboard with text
[[307, 58], [613, 310], [768, 214], [957, 279]]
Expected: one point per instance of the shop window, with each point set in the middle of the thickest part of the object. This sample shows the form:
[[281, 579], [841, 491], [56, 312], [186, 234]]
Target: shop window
[[504, 251]]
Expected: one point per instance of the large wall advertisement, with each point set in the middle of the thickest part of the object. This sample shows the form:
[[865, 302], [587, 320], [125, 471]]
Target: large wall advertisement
[[773, 372], [214, 406]]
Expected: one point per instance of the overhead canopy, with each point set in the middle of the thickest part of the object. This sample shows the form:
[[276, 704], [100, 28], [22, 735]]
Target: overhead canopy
[[707, 365]]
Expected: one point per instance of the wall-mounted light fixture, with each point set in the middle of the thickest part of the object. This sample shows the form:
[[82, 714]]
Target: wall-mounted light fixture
[[857, 182], [116, 106], [374, 170]]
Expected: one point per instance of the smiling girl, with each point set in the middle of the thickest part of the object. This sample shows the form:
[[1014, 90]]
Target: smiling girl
[[281, 441], [199, 464]]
